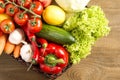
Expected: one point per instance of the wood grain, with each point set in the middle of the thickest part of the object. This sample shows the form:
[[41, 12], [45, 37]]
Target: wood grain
[[11, 69], [102, 64]]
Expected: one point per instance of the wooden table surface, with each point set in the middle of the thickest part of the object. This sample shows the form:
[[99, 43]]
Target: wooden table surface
[[102, 64]]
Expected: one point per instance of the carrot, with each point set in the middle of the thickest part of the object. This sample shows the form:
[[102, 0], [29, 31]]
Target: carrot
[[2, 42], [16, 52], [9, 47]]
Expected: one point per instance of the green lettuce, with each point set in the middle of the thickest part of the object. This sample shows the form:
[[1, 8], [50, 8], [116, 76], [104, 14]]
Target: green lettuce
[[86, 26]]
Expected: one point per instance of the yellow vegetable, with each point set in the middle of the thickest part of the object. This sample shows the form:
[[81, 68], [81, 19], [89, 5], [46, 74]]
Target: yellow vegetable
[[4, 16], [54, 15]]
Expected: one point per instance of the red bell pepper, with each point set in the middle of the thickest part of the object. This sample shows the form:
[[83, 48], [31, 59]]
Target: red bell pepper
[[54, 59]]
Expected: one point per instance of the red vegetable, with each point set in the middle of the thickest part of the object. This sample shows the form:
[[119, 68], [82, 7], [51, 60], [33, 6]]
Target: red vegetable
[[11, 9], [2, 7], [25, 3], [32, 39], [54, 59], [34, 25], [7, 26], [13, 0], [21, 18], [43, 42], [1, 33], [37, 7], [45, 3], [35, 49]]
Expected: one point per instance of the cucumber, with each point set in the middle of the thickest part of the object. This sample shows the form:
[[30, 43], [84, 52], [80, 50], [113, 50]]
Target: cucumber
[[55, 34]]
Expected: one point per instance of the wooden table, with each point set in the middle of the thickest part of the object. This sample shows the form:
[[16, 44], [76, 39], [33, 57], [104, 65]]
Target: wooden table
[[102, 64]]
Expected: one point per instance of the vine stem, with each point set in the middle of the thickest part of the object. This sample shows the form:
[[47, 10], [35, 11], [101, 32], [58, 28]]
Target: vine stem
[[27, 10]]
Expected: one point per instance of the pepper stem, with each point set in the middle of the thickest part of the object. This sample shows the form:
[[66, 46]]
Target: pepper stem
[[33, 62], [51, 60]]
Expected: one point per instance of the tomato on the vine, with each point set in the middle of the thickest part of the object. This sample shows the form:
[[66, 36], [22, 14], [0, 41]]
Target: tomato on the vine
[[45, 3], [25, 3], [2, 7], [34, 25], [7, 26], [37, 7], [11, 9], [13, 0], [21, 18]]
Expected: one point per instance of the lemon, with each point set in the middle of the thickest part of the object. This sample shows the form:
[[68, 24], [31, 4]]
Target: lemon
[[54, 15], [4, 16]]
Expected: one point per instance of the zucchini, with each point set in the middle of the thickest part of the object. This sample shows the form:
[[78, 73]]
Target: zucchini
[[55, 34]]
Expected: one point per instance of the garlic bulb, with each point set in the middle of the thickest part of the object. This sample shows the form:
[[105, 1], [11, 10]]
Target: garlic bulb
[[26, 53], [17, 36]]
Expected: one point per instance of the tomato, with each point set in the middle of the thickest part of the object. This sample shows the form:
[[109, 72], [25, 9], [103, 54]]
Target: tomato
[[21, 18], [2, 7], [34, 25], [11, 9], [37, 7], [25, 3], [7, 26], [1, 33], [13, 0], [45, 3]]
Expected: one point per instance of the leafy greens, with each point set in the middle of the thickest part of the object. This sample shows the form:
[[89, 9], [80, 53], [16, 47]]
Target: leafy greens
[[86, 26]]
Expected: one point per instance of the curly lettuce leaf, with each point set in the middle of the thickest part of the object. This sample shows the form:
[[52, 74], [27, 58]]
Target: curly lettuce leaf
[[86, 26]]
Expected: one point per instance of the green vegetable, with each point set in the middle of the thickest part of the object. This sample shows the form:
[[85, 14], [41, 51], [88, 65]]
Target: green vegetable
[[56, 34], [86, 26]]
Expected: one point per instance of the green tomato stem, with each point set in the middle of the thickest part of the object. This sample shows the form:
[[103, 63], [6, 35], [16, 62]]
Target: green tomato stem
[[3, 5], [27, 10], [22, 15]]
